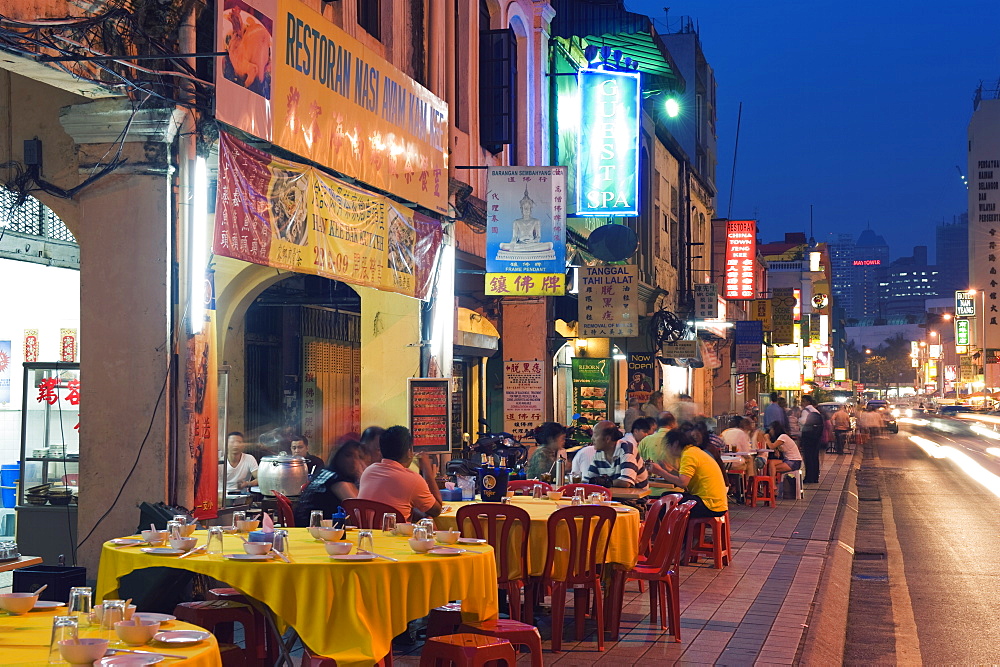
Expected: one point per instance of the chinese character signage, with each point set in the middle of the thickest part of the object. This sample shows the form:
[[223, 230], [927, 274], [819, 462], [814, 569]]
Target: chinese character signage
[[762, 310], [607, 173], [966, 368], [201, 415], [526, 220], [5, 362], [965, 304], [430, 414], [294, 217], [962, 331], [934, 351], [607, 302], [67, 345], [782, 316], [30, 345], [293, 78], [525, 284], [749, 339], [523, 396], [641, 377], [706, 301], [591, 380], [741, 253], [679, 349]]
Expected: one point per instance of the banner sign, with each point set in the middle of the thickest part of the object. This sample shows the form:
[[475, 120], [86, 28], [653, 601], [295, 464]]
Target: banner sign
[[762, 310], [782, 315], [430, 414], [706, 301], [591, 379], [815, 330], [607, 301], [293, 78], [526, 284], [749, 339], [962, 332], [641, 377], [607, 173], [201, 410], [523, 396], [5, 361], [934, 351], [965, 304], [950, 373], [741, 254], [294, 217], [839, 374]]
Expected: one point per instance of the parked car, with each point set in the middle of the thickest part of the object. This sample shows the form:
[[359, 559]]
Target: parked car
[[885, 408]]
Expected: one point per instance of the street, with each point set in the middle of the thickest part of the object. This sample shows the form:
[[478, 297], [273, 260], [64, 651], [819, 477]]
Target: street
[[939, 589]]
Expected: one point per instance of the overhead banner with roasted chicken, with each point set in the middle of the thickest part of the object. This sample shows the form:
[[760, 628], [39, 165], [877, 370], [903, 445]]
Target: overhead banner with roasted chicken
[[292, 77], [295, 217]]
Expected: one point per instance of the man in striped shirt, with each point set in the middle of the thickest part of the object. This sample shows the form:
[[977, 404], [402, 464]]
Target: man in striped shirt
[[617, 458]]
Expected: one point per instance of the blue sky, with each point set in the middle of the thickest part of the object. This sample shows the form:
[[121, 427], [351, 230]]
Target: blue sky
[[860, 109]]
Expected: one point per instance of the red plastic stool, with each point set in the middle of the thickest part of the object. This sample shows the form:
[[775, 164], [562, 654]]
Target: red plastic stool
[[260, 623], [466, 650], [697, 539], [517, 633], [309, 659], [219, 617], [763, 483], [444, 620]]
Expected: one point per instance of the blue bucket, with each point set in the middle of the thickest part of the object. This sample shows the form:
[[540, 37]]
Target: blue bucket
[[8, 479]]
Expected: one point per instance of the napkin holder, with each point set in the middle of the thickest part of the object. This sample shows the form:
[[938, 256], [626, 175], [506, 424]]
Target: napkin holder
[[260, 536], [493, 483]]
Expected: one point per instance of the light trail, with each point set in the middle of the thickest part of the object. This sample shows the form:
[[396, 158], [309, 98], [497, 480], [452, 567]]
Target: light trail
[[966, 463]]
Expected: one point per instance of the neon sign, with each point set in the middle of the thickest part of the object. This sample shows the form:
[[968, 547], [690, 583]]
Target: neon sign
[[867, 262], [741, 253], [607, 175]]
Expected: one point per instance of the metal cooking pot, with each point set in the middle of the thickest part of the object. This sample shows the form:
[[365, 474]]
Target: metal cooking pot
[[282, 473]]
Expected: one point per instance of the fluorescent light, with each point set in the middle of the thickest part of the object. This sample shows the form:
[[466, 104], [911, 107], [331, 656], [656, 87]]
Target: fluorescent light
[[198, 244]]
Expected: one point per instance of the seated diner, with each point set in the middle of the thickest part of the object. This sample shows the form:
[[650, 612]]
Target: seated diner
[[392, 482]]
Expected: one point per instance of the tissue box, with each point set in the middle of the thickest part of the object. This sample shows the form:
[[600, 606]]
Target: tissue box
[[451, 494], [260, 536]]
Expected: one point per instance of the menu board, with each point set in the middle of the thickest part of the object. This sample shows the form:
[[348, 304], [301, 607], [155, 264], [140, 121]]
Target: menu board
[[430, 414], [591, 379]]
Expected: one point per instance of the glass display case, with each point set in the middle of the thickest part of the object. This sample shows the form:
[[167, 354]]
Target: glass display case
[[50, 435]]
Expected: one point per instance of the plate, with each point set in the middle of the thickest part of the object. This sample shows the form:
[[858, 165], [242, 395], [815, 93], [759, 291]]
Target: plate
[[623, 510], [471, 540], [610, 503], [255, 557], [163, 551], [357, 557], [181, 637], [131, 659], [446, 551], [127, 541], [48, 604], [150, 616]]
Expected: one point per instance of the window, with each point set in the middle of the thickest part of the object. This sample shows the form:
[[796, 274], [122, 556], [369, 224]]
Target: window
[[498, 90], [370, 17]]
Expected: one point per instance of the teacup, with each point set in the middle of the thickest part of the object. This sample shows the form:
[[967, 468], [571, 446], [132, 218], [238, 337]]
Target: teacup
[[447, 536], [155, 538], [18, 603], [338, 548], [330, 534], [184, 543], [421, 546], [136, 632], [257, 548], [555, 495], [246, 526], [83, 651], [405, 529]]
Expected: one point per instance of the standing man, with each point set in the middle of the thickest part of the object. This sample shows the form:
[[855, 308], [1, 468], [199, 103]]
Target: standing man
[[812, 425], [775, 413], [654, 406], [616, 458], [300, 447], [841, 427]]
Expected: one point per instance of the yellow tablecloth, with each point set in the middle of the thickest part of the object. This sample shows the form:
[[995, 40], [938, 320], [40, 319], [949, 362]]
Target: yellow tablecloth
[[349, 611], [623, 547], [24, 640]]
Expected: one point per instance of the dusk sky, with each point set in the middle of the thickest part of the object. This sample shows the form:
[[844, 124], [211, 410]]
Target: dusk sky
[[858, 108]]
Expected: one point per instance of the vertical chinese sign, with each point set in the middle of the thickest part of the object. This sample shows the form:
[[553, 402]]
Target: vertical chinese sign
[[591, 380], [741, 254], [523, 396], [706, 301], [31, 345], [67, 345], [526, 231], [430, 414], [4, 371], [749, 339], [607, 304], [201, 407], [641, 377]]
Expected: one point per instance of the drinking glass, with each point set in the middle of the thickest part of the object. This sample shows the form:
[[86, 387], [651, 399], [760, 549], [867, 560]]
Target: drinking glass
[[114, 611], [428, 525], [174, 530], [576, 501], [237, 517], [315, 518], [63, 628], [388, 523], [181, 519], [214, 545], [81, 604], [596, 498], [365, 541], [581, 494], [538, 491]]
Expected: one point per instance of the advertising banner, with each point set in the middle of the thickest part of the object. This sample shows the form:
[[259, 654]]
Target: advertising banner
[[782, 316], [294, 217], [607, 304], [641, 377], [201, 409], [741, 255], [591, 380], [293, 78], [706, 301], [523, 396], [608, 151], [430, 414], [5, 362], [749, 339]]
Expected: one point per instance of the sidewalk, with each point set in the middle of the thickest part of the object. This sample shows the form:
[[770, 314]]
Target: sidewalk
[[755, 611]]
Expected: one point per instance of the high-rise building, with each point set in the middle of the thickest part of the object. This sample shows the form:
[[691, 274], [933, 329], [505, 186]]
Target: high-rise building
[[906, 284], [842, 270], [871, 256], [951, 255]]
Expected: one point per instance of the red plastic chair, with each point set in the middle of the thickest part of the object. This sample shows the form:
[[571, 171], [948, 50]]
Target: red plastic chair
[[588, 528], [467, 650], [660, 570], [220, 618], [570, 489], [527, 485], [285, 512], [368, 513], [655, 512], [500, 521], [310, 659], [517, 633]]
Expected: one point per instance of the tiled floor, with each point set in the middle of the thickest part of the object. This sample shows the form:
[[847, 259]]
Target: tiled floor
[[754, 611]]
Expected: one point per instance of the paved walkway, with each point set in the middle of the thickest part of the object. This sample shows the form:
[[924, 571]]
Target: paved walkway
[[755, 611]]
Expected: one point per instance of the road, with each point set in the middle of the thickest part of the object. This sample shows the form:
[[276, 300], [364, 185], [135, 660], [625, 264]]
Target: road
[[939, 585]]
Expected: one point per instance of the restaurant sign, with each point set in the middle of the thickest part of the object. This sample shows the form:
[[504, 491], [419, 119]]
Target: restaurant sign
[[741, 254], [607, 174], [294, 217], [293, 78]]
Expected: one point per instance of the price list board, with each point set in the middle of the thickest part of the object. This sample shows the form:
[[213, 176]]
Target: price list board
[[430, 414]]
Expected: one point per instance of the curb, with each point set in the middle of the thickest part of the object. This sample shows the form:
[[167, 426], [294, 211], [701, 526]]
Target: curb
[[827, 632]]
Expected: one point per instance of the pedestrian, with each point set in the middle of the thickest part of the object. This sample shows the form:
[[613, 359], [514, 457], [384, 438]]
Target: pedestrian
[[841, 427], [654, 406], [793, 414], [812, 426], [634, 412], [774, 413]]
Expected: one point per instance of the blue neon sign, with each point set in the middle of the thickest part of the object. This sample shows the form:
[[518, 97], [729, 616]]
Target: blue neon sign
[[607, 174]]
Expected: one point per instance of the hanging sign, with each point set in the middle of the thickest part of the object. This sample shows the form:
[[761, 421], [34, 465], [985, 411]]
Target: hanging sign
[[749, 339], [591, 382], [607, 305], [608, 151], [293, 78], [679, 349], [201, 412], [965, 304], [430, 414], [763, 311], [641, 377], [523, 396], [962, 331], [741, 253], [782, 315], [706, 301]]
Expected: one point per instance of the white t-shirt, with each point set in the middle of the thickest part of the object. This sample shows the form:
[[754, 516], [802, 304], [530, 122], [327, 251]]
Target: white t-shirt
[[737, 439], [788, 446], [241, 472], [582, 460]]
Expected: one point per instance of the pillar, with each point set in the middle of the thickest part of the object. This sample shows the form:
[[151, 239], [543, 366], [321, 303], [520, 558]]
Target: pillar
[[526, 322]]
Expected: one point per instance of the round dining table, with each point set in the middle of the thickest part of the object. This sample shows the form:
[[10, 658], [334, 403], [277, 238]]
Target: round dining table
[[24, 640], [623, 546], [343, 609]]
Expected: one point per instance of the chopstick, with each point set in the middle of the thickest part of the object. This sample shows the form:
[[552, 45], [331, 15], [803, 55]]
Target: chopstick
[[394, 560], [165, 655], [194, 551], [281, 556]]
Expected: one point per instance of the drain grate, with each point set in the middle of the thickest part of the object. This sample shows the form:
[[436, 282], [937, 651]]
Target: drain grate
[[868, 555]]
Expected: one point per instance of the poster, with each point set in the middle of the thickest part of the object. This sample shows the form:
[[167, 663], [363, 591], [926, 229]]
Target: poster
[[5, 362], [523, 396], [607, 302], [706, 301], [591, 380], [741, 258], [291, 216], [201, 411], [293, 78], [641, 377], [430, 414], [749, 339]]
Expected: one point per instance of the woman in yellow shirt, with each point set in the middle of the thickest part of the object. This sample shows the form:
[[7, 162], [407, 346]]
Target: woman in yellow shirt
[[697, 473]]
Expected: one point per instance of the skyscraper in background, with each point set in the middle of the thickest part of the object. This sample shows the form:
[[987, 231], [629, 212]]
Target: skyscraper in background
[[842, 272], [871, 258], [952, 255]]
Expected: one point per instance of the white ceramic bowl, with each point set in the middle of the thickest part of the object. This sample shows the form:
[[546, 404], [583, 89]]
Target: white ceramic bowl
[[421, 546], [447, 536], [555, 495], [155, 537], [136, 632], [185, 543], [257, 548], [405, 529], [99, 612], [247, 526], [18, 603], [83, 651], [314, 531], [338, 548], [187, 530], [330, 534]]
